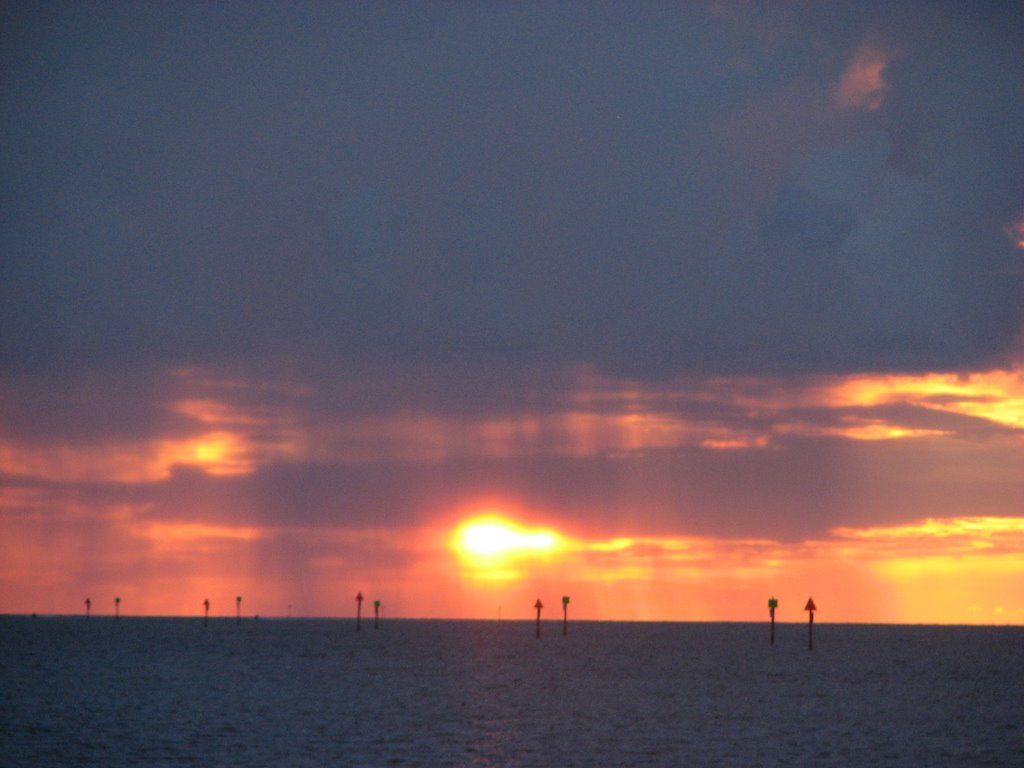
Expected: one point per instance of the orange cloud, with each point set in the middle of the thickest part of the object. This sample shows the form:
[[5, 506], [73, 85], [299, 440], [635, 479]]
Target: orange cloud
[[943, 537], [609, 417], [599, 416], [855, 428], [214, 412], [1015, 231], [218, 437], [130, 461], [193, 537], [431, 437], [862, 85], [996, 396]]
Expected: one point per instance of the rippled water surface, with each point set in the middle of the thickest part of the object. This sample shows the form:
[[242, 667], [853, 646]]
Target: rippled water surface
[[155, 692]]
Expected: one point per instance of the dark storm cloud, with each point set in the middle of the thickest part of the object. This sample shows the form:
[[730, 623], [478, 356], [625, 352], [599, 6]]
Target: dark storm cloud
[[482, 184]]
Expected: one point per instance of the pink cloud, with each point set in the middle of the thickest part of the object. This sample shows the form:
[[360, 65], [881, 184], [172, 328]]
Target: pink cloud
[[863, 84]]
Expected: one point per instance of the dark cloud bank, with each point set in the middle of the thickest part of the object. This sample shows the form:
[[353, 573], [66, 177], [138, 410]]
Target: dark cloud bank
[[653, 190]]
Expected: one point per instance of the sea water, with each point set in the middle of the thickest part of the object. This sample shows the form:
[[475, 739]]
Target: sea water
[[291, 692]]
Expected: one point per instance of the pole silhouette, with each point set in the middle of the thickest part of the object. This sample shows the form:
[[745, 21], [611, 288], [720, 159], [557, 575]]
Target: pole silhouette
[[238, 610], [810, 608], [376, 614], [565, 615], [117, 607], [538, 605], [206, 611], [359, 609], [772, 605], [88, 607]]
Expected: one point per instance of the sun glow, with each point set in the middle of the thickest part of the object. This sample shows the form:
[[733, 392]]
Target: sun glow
[[496, 537], [491, 546]]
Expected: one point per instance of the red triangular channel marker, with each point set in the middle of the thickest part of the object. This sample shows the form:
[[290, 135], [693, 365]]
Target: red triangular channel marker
[[810, 605], [538, 605]]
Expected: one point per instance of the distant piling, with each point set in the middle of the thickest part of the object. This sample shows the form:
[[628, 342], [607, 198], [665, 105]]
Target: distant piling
[[88, 608], [772, 605], [238, 610], [538, 605], [206, 611], [359, 609], [117, 607], [565, 615], [376, 614], [810, 608]]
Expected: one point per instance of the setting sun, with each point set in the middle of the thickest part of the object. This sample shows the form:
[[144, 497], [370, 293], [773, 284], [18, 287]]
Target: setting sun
[[494, 536], [490, 544]]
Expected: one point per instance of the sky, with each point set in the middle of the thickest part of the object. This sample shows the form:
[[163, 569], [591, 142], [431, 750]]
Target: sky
[[666, 307]]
